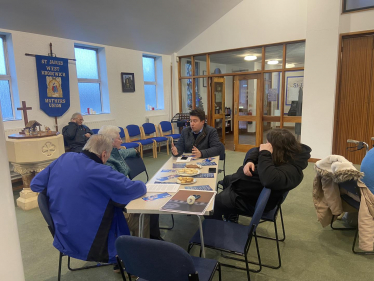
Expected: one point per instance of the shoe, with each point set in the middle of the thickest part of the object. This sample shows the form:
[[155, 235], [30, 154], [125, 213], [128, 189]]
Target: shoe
[[157, 238], [116, 268]]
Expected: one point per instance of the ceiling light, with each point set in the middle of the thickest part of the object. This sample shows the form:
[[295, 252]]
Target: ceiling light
[[289, 65], [250, 58], [273, 62]]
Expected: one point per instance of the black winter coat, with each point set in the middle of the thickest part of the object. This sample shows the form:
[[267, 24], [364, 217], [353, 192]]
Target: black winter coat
[[74, 136], [279, 179]]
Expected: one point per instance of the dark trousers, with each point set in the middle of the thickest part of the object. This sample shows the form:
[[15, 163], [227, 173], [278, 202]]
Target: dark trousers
[[229, 204], [154, 226]]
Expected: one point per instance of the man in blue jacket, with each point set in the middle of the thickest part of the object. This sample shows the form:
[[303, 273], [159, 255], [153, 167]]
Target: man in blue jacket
[[86, 200]]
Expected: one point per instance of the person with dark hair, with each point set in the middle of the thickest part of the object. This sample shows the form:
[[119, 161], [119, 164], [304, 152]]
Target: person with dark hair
[[199, 139], [278, 164]]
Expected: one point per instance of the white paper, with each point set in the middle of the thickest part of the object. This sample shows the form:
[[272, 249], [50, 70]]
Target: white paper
[[179, 160], [293, 94], [160, 188]]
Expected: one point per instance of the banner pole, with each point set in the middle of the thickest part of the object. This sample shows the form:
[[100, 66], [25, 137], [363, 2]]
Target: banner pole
[[56, 125]]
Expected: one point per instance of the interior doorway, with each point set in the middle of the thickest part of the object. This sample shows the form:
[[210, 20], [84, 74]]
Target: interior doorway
[[354, 108]]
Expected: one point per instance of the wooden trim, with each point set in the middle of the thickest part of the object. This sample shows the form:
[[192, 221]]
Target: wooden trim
[[179, 86], [263, 59], [292, 119], [313, 160], [244, 48], [271, 118], [283, 87], [259, 110], [208, 93], [171, 91], [366, 32]]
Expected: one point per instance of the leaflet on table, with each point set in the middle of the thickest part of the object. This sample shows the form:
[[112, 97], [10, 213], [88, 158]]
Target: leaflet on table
[[156, 196], [159, 188], [178, 203], [199, 187]]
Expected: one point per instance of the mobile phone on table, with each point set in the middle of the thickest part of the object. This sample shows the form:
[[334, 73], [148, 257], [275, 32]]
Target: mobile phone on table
[[212, 170], [184, 158]]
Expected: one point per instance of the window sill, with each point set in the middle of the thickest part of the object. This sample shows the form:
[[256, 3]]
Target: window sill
[[13, 119], [102, 113]]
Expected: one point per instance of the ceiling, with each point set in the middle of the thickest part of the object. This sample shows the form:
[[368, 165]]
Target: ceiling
[[158, 26]]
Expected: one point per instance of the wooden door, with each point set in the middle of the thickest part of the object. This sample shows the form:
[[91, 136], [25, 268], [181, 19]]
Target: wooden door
[[247, 112], [218, 106], [354, 111]]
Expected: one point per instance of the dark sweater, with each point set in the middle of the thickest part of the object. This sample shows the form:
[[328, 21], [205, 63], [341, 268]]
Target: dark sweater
[[279, 179], [74, 136], [207, 142]]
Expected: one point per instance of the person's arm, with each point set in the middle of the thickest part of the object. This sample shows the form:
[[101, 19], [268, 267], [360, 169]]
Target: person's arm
[[180, 144], [251, 156], [40, 181], [283, 177], [215, 145], [70, 130], [129, 152], [88, 130]]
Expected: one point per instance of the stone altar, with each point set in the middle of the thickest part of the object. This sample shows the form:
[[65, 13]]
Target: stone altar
[[30, 154]]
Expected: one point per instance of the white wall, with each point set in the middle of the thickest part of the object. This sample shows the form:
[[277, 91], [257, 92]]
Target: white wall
[[125, 108], [320, 22]]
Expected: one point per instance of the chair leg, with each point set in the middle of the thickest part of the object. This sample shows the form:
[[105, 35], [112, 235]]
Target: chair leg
[[219, 272], [121, 269], [340, 228], [362, 252], [59, 267], [167, 146], [86, 267], [284, 232], [169, 228]]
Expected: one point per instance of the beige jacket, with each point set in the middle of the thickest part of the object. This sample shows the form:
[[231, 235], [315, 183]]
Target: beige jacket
[[326, 195], [366, 218]]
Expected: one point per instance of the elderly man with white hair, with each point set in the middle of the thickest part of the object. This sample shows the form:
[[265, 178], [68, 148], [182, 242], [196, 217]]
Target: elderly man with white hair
[[75, 133], [117, 162], [86, 199]]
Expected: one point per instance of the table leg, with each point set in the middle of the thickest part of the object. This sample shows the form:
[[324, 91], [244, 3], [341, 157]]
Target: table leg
[[201, 237], [141, 224]]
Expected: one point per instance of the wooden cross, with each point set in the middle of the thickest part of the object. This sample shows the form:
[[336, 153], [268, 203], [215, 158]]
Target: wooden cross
[[24, 109]]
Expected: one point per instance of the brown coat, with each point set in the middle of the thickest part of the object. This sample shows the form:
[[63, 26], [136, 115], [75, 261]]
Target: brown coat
[[366, 218]]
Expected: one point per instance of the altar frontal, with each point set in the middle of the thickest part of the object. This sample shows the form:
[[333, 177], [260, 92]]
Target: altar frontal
[[53, 81]]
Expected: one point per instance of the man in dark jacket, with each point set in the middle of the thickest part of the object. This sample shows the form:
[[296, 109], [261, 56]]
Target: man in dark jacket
[[199, 139], [241, 190], [86, 199], [75, 134]]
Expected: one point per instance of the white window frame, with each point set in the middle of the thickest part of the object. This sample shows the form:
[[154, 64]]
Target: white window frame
[[86, 80], [8, 77], [152, 83]]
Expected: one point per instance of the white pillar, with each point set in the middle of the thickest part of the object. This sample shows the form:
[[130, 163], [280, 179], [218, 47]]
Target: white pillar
[[11, 267], [321, 58]]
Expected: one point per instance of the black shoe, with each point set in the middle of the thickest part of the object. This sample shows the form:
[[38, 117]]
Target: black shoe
[[157, 238]]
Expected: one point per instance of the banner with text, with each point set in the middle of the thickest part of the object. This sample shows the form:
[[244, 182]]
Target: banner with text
[[54, 89]]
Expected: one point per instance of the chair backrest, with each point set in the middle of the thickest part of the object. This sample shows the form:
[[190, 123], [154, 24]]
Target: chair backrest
[[351, 186], [133, 130], [166, 126], [121, 133], [259, 209], [153, 259], [95, 131], [44, 209], [136, 166], [222, 155], [149, 128]]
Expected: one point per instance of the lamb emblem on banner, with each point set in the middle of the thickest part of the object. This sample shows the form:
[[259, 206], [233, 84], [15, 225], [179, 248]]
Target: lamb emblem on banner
[[54, 87]]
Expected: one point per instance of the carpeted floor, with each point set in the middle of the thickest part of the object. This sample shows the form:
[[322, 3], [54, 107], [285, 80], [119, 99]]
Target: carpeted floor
[[309, 252]]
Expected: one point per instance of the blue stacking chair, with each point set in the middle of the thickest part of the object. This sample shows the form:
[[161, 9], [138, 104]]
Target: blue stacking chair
[[128, 144], [95, 131], [44, 209], [160, 260], [136, 166], [133, 134], [166, 129], [149, 132], [222, 157], [231, 237]]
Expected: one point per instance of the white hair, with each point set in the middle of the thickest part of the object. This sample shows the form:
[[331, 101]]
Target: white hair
[[97, 144], [110, 131], [75, 115]]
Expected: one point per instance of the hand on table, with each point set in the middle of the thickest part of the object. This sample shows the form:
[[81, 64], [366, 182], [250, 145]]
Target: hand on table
[[266, 146], [174, 150], [248, 168], [195, 152]]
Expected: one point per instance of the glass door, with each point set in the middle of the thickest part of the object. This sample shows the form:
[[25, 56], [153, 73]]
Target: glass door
[[218, 106], [247, 112]]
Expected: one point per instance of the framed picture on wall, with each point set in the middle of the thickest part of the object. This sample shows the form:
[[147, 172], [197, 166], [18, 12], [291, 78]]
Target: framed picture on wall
[[204, 79], [294, 83], [128, 82]]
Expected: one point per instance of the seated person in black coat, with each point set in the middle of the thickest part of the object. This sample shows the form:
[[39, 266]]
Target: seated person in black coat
[[277, 164], [75, 134]]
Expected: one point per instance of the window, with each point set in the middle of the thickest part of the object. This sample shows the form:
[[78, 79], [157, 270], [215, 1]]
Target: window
[[356, 5], [6, 97], [89, 82], [153, 83]]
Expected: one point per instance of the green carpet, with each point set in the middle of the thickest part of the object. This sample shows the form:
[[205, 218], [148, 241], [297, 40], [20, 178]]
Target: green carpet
[[309, 252]]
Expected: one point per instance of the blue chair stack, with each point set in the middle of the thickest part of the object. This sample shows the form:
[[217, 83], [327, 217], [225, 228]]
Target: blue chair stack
[[133, 134], [149, 133], [167, 130], [128, 144]]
